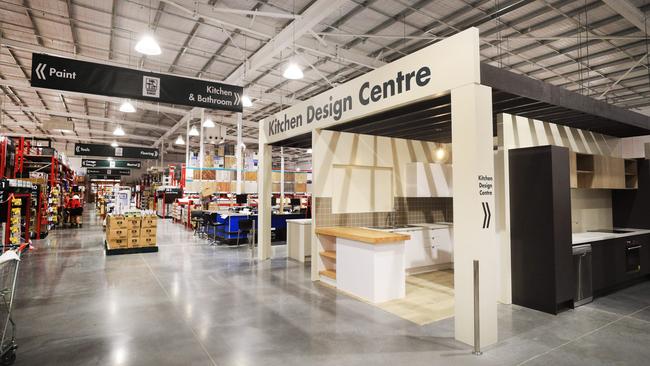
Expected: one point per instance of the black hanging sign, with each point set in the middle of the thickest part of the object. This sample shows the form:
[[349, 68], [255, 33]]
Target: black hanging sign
[[93, 163], [60, 73], [100, 177], [117, 152], [96, 171]]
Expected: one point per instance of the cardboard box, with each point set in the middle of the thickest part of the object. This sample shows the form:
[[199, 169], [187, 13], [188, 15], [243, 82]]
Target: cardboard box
[[149, 222], [148, 241], [114, 243], [147, 232], [117, 234], [133, 222], [133, 242], [116, 222], [133, 233]]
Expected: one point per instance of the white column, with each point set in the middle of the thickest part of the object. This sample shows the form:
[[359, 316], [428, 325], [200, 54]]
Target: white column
[[239, 153], [201, 151], [264, 186], [471, 116], [187, 143], [281, 179], [162, 154]]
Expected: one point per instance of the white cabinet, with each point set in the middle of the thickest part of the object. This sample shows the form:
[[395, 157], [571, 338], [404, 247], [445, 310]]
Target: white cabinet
[[428, 180], [440, 245]]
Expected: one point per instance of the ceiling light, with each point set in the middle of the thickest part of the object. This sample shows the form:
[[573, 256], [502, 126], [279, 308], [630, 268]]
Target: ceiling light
[[293, 71], [193, 131], [246, 101], [118, 131], [110, 158], [440, 153], [209, 123], [114, 144], [127, 107], [179, 140], [308, 151], [147, 45]]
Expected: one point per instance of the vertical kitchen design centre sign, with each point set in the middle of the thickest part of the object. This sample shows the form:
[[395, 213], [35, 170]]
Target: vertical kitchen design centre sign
[[60, 73]]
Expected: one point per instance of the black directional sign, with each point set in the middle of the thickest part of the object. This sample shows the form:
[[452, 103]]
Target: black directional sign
[[92, 163], [88, 77], [99, 177], [96, 171], [116, 152]]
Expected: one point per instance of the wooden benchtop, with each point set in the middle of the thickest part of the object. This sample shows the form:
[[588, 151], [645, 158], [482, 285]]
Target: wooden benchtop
[[362, 234]]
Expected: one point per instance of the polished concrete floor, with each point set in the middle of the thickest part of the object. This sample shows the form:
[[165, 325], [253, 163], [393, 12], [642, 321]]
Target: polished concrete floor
[[193, 304]]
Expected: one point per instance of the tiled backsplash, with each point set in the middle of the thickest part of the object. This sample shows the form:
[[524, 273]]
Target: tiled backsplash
[[408, 210]]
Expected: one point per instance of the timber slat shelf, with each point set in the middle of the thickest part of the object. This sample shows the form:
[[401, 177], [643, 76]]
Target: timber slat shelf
[[331, 273], [328, 254]]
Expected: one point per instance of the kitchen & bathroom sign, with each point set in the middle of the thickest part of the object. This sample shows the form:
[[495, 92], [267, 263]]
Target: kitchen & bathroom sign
[[61, 73]]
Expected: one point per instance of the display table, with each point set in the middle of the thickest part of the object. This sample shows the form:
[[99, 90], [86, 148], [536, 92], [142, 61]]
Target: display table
[[368, 263], [299, 239]]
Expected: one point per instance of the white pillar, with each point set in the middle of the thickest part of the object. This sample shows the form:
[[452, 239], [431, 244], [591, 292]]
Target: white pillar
[[201, 151], [264, 186], [239, 153], [162, 154], [187, 143], [471, 116], [281, 179]]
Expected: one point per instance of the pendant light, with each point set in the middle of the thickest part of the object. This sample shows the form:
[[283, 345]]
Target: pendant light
[[193, 131], [246, 101], [114, 144], [118, 131], [179, 140], [293, 71], [147, 44], [209, 123], [127, 106]]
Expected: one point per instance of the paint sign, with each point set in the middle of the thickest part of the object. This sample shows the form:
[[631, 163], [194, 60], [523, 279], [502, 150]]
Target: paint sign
[[60, 73]]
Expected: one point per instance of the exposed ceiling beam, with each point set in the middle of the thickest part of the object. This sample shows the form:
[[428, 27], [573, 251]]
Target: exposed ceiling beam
[[71, 138], [629, 11]]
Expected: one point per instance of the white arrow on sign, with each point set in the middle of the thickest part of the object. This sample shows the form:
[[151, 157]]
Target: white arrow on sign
[[39, 71]]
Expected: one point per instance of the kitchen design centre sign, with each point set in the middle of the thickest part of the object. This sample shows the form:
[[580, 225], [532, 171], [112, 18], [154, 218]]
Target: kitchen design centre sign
[[95, 171], [92, 163], [117, 152], [60, 73], [430, 72]]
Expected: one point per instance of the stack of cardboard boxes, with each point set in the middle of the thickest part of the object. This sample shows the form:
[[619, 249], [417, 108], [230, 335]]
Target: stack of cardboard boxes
[[132, 230]]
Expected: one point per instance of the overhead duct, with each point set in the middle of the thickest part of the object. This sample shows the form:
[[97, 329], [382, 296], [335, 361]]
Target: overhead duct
[[58, 124]]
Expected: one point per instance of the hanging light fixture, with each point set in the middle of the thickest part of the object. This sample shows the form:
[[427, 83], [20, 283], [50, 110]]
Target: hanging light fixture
[[110, 158], [179, 140], [127, 106], [441, 153], [246, 101], [308, 151], [148, 45], [293, 71], [209, 123], [193, 131], [114, 144], [118, 131]]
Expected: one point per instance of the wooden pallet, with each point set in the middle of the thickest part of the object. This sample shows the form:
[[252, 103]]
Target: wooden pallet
[[118, 251]]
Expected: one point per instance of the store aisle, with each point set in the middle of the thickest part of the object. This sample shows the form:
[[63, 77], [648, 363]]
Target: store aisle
[[192, 304]]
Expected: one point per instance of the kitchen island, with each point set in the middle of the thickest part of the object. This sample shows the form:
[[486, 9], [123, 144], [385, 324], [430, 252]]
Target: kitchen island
[[365, 263]]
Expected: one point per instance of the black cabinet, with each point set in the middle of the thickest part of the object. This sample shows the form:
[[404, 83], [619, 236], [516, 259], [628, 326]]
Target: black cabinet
[[540, 228], [619, 261]]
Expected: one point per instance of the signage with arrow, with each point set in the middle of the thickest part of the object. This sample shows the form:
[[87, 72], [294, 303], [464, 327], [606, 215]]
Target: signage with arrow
[[487, 215], [117, 152], [60, 73], [92, 163]]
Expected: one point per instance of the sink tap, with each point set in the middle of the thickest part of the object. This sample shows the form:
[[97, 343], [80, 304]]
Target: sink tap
[[390, 219]]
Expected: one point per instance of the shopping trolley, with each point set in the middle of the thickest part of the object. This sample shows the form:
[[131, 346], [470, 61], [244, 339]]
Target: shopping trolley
[[9, 261]]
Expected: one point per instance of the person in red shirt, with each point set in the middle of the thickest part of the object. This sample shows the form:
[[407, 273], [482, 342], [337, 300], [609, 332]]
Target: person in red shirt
[[76, 210]]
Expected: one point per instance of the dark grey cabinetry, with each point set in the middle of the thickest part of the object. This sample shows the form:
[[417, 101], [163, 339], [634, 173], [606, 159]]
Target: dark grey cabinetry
[[619, 261], [540, 228]]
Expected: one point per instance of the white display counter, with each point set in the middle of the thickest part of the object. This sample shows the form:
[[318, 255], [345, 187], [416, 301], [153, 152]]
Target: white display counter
[[299, 239]]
